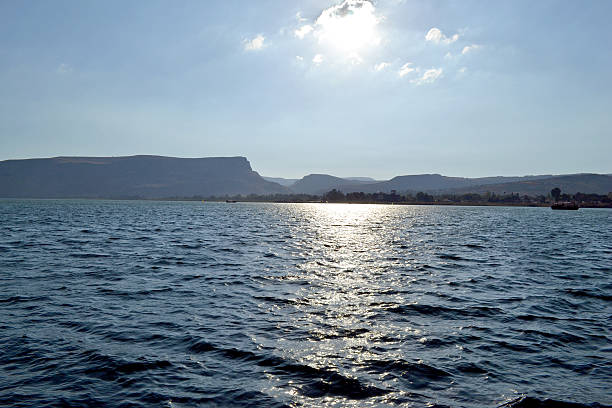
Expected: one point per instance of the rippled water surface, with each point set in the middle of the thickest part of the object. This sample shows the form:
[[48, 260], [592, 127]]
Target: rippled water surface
[[178, 304]]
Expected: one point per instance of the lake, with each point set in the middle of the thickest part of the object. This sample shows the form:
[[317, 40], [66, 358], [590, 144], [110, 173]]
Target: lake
[[182, 304]]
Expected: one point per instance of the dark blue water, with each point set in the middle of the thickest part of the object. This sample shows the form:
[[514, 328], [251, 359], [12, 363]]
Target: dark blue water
[[157, 304]]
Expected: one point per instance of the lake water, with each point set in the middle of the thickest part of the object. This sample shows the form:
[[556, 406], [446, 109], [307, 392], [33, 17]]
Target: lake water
[[182, 304]]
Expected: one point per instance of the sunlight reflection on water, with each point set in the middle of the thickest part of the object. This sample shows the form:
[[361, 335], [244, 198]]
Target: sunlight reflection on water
[[348, 265]]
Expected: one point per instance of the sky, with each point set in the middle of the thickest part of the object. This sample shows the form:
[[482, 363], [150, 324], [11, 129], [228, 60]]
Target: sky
[[350, 88]]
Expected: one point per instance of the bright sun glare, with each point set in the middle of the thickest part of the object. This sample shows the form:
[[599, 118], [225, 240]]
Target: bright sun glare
[[350, 26]]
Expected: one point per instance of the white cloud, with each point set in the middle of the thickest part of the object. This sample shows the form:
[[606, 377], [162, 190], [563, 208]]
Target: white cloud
[[436, 36], [299, 17], [470, 48], [255, 44], [429, 76], [303, 31], [448, 55], [355, 59], [406, 69], [462, 70], [381, 66], [64, 69], [349, 26], [299, 58], [318, 59]]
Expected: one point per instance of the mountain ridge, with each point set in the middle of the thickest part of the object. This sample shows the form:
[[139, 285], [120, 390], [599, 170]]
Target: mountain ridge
[[140, 176], [434, 183], [150, 176]]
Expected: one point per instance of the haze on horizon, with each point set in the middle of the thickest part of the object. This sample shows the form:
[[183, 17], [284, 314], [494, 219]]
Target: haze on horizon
[[344, 87]]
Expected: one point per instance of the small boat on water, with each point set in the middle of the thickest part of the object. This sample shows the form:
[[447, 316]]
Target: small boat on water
[[565, 205], [230, 201]]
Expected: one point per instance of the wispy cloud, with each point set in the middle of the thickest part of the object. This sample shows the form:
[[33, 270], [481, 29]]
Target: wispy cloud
[[303, 31], [470, 48], [318, 59], [436, 36], [428, 77], [406, 69], [254, 44], [381, 66]]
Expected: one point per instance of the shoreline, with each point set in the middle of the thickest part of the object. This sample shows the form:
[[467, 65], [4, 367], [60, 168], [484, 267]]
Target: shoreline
[[421, 203], [236, 200]]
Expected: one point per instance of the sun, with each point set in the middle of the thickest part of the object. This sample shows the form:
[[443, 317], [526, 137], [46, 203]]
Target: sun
[[349, 27]]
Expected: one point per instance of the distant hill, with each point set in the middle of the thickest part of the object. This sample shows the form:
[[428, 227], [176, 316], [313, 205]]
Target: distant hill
[[431, 183], [282, 181], [321, 183], [570, 184], [133, 176]]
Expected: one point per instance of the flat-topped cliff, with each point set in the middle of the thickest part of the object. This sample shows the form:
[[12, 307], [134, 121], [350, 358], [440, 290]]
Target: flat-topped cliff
[[131, 177]]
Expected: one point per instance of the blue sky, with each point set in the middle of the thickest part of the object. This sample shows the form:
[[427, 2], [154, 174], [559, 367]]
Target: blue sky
[[350, 88]]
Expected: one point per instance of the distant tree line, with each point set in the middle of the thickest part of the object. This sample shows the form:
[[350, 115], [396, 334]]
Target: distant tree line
[[467, 198], [488, 198], [426, 198]]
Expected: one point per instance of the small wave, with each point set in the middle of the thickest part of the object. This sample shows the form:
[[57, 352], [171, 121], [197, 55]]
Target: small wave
[[316, 382], [433, 342], [89, 255], [402, 367], [276, 300], [471, 368], [23, 299], [170, 260], [136, 294], [496, 345], [451, 257], [448, 312], [589, 293], [229, 250], [201, 347], [238, 397], [191, 277], [189, 246], [70, 241], [562, 338], [532, 317], [335, 384], [110, 368], [76, 326], [418, 375], [582, 369], [530, 402], [41, 400]]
